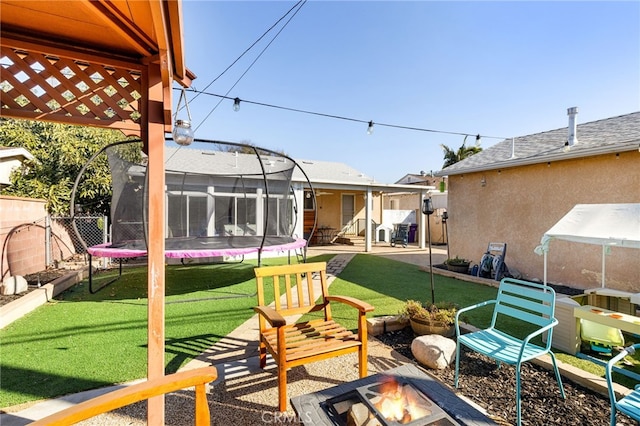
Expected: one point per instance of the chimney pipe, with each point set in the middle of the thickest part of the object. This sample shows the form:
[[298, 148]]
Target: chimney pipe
[[573, 139]]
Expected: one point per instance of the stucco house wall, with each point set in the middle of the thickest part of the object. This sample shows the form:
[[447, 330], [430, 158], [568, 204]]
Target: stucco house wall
[[517, 205]]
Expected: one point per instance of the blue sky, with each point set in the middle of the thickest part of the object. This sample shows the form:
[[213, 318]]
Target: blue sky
[[499, 69]]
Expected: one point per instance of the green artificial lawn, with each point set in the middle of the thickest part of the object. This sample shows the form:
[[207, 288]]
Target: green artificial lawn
[[387, 284], [81, 341]]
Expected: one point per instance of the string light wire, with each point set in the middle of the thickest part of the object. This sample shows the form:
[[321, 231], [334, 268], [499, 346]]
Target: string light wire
[[355, 120]]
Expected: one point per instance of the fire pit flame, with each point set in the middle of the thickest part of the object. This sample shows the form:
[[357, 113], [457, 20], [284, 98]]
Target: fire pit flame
[[403, 396], [400, 402]]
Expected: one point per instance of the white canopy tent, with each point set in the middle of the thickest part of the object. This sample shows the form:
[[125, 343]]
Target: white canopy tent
[[602, 224]]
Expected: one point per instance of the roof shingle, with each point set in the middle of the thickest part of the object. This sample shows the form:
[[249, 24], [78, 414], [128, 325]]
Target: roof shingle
[[610, 135]]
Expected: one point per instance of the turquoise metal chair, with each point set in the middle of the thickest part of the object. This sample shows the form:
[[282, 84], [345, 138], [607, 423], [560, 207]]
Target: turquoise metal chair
[[530, 304], [629, 404]]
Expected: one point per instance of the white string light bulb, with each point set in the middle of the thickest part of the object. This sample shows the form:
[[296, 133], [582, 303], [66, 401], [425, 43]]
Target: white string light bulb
[[370, 128]]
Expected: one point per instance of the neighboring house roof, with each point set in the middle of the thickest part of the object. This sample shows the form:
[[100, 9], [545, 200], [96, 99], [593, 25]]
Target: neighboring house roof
[[10, 159], [610, 135], [324, 174], [415, 179], [7, 152], [332, 172]]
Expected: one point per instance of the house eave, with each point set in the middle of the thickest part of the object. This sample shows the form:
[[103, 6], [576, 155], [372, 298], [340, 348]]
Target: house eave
[[558, 156], [11, 152], [376, 187]]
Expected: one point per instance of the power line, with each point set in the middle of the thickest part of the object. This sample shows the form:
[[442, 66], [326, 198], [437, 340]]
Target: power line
[[249, 48], [299, 5]]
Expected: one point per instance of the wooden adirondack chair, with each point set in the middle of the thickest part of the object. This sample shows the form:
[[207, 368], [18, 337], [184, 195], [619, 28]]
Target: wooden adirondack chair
[[290, 343]]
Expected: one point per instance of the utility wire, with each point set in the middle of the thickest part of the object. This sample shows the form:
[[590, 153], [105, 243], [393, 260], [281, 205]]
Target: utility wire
[[299, 4], [249, 48]]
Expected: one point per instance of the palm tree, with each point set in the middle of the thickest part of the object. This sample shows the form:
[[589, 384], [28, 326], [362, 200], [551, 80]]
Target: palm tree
[[452, 157]]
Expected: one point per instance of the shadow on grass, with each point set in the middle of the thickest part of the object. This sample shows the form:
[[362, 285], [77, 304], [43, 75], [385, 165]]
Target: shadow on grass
[[179, 279], [42, 385]]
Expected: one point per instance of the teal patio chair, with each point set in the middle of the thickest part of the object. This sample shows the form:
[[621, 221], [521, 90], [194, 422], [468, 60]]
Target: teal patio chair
[[530, 304], [630, 403]]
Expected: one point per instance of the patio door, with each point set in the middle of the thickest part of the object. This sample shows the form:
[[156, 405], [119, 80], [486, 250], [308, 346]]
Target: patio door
[[348, 209]]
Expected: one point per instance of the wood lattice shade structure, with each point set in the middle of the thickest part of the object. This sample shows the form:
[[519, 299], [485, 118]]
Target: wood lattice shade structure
[[106, 63], [37, 86]]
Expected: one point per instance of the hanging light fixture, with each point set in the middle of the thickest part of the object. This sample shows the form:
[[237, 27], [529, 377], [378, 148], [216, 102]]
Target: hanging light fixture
[[182, 131], [370, 128], [236, 104]]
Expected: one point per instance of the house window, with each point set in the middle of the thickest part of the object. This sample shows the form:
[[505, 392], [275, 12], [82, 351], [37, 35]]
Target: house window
[[235, 215], [280, 216], [187, 215]]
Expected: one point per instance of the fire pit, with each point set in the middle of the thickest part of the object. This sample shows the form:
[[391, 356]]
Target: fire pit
[[401, 396]]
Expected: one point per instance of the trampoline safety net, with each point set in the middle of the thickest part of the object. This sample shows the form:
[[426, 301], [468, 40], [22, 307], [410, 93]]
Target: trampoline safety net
[[218, 195]]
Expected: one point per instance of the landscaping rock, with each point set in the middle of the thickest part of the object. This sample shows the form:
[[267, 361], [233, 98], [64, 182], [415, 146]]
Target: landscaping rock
[[14, 285], [434, 351], [384, 324]]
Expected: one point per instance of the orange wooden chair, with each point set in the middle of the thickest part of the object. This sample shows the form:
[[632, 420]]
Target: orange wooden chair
[[292, 343]]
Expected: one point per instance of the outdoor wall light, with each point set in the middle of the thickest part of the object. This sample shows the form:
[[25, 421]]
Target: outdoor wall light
[[370, 128], [427, 206], [182, 131], [236, 104], [483, 181], [445, 216]]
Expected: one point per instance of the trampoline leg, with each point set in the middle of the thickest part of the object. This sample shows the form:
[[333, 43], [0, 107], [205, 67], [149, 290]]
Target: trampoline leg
[[111, 281]]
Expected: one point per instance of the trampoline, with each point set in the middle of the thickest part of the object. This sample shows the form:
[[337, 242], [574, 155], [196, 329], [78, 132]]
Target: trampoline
[[223, 200]]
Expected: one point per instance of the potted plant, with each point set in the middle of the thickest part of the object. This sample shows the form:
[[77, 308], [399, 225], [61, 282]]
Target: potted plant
[[431, 318], [458, 264]]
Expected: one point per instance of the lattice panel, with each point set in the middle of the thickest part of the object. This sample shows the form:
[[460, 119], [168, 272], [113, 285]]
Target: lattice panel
[[34, 85]]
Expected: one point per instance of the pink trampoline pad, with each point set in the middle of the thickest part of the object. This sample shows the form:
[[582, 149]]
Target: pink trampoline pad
[[187, 248]]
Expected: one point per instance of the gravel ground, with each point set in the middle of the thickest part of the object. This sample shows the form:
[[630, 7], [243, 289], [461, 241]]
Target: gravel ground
[[494, 390]]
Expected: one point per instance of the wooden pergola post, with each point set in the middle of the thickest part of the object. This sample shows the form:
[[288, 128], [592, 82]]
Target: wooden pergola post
[[154, 138], [105, 63]]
